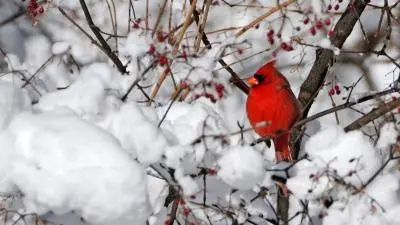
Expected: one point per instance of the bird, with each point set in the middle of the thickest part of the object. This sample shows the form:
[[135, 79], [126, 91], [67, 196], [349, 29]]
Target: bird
[[272, 108]]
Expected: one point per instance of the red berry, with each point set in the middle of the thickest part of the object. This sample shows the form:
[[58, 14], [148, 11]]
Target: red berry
[[181, 201], [152, 49], [270, 33], [318, 24], [167, 222], [313, 31], [329, 7], [186, 211], [220, 90], [306, 21], [192, 197], [331, 92], [160, 36], [336, 7], [287, 47], [184, 55], [338, 92], [240, 51], [337, 87], [184, 84], [330, 33], [211, 172], [271, 40], [327, 22], [162, 60], [257, 26], [41, 10]]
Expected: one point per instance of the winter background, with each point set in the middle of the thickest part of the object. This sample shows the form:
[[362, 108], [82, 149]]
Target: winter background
[[83, 143]]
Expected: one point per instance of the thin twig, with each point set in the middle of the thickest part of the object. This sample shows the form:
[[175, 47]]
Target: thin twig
[[106, 48], [201, 26], [263, 17], [235, 79], [186, 25]]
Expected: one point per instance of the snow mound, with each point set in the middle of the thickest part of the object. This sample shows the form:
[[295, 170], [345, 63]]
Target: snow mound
[[241, 167], [13, 101], [137, 134], [63, 163], [85, 95], [348, 156]]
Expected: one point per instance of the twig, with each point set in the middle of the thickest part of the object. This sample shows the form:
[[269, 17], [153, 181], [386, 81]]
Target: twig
[[263, 17], [235, 79], [344, 106], [201, 26], [159, 17], [13, 17], [136, 81], [106, 48], [158, 84], [38, 70], [188, 21], [169, 107]]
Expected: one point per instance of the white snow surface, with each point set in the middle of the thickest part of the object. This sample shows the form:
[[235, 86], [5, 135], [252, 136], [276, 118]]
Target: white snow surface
[[334, 151], [62, 163], [137, 134], [241, 167]]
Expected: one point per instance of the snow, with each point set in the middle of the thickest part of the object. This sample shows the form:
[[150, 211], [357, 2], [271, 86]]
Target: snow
[[85, 95], [51, 157], [128, 125], [189, 186], [241, 167], [334, 151], [70, 147], [388, 136], [59, 48], [13, 101]]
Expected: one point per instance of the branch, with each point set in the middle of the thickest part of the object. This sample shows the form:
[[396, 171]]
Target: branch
[[374, 114], [13, 17], [325, 57], [344, 106], [106, 48], [235, 79]]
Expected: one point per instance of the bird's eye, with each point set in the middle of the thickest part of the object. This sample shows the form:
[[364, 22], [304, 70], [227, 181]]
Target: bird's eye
[[260, 78]]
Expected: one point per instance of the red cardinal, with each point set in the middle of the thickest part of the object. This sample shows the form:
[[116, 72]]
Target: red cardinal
[[272, 108]]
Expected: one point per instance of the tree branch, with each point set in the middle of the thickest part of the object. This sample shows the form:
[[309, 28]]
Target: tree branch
[[235, 79], [325, 57], [374, 114]]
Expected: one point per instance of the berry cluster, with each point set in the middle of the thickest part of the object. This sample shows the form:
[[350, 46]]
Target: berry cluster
[[216, 92], [318, 25], [34, 9], [162, 60], [336, 7], [335, 90]]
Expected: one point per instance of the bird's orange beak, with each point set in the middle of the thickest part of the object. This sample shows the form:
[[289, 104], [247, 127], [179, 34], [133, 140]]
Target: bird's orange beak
[[252, 81]]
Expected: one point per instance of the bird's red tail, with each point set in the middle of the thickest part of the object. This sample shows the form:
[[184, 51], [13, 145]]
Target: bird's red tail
[[282, 150]]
